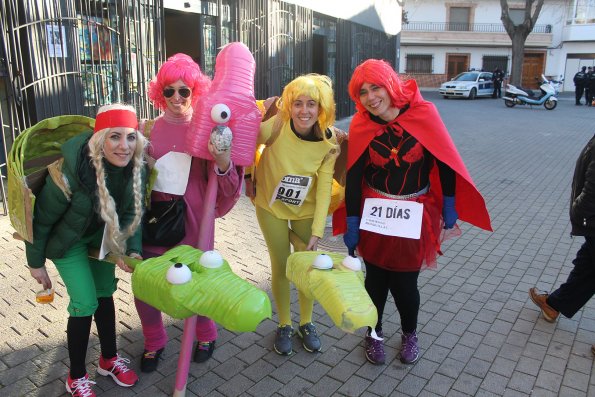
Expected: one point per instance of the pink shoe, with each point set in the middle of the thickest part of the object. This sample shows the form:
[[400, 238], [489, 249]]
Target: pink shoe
[[116, 368], [80, 387]]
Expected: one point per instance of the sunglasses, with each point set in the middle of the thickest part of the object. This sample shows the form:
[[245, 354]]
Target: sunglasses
[[184, 92]]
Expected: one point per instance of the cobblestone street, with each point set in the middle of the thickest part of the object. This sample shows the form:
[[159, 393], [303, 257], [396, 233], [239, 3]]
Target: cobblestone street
[[479, 332]]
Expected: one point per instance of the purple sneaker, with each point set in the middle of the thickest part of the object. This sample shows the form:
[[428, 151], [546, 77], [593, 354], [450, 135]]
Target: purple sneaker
[[409, 349], [374, 348]]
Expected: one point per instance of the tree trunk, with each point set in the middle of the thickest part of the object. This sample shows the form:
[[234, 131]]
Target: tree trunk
[[518, 55]]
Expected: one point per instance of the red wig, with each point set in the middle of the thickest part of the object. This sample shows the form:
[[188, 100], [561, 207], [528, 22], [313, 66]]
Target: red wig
[[178, 67], [380, 73]]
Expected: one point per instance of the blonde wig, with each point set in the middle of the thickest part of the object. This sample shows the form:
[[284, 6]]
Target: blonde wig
[[115, 237], [319, 88]]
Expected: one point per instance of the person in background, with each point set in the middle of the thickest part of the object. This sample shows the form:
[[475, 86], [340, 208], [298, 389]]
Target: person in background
[[400, 152], [93, 194], [590, 86], [497, 78], [178, 85], [293, 190], [580, 82], [579, 287]]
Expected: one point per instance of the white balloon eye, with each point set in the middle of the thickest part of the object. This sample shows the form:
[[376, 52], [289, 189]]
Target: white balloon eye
[[220, 113], [352, 263], [211, 259], [179, 274], [322, 262]]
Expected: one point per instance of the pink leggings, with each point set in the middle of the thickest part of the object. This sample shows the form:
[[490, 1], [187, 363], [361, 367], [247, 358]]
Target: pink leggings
[[154, 331]]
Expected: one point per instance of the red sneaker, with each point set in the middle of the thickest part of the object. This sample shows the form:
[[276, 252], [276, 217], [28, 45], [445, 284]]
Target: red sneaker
[[116, 368], [80, 387]]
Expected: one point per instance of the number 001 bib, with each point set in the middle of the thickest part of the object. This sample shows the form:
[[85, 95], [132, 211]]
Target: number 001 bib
[[292, 190]]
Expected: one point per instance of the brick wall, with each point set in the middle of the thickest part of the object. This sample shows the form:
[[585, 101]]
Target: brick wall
[[426, 80]]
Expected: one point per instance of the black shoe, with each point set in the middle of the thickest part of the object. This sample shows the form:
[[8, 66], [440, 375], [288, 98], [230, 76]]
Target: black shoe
[[203, 351], [150, 360], [283, 343], [578, 104], [310, 339]]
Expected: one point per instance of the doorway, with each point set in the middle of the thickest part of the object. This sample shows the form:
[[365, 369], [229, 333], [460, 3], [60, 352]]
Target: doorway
[[533, 67], [455, 64], [319, 51]]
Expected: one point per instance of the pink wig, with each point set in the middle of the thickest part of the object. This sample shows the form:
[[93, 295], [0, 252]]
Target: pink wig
[[380, 73], [178, 67]]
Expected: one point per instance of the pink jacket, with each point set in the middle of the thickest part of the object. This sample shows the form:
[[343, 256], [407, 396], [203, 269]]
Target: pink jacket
[[169, 134]]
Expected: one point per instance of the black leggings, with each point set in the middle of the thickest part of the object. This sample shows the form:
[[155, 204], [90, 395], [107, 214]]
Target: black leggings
[[403, 288], [78, 330]]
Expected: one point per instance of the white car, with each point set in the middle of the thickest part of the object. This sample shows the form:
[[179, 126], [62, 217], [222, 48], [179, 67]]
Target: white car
[[468, 85]]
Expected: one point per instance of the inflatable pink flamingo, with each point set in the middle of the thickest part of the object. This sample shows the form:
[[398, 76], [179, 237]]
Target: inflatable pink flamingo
[[228, 116]]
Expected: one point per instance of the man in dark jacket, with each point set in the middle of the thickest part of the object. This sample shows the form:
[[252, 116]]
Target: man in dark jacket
[[497, 77], [580, 81], [571, 296]]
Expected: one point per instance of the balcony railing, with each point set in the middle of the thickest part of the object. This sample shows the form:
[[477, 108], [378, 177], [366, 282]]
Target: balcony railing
[[466, 27]]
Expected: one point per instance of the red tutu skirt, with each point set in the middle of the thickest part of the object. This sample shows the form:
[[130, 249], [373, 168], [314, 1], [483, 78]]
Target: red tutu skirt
[[405, 254]]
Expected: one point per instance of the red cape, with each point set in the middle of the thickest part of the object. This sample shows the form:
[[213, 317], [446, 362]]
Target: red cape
[[424, 123]]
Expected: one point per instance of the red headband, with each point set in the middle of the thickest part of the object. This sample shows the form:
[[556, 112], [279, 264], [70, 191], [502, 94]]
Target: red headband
[[116, 118]]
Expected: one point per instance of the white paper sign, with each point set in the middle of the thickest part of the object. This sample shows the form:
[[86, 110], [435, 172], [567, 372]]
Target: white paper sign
[[399, 218], [103, 251], [173, 172], [292, 190]]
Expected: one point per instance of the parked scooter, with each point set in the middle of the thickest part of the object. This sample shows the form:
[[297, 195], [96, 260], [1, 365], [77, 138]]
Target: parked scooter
[[556, 84], [522, 96]]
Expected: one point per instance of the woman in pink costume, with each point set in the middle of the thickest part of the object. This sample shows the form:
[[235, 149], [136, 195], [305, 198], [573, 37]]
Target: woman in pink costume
[[179, 84]]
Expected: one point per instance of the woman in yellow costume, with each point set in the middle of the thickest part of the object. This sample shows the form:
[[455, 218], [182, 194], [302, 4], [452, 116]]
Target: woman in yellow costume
[[293, 190]]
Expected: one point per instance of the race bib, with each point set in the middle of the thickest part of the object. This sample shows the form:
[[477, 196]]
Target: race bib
[[173, 170], [292, 190], [399, 218]]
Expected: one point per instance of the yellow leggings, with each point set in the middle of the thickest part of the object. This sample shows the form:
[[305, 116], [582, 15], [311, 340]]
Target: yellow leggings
[[276, 235]]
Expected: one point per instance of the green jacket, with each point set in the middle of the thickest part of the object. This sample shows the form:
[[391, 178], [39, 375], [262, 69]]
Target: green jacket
[[65, 210]]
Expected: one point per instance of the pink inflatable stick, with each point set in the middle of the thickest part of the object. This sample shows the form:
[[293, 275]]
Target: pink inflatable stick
[[233, 86]]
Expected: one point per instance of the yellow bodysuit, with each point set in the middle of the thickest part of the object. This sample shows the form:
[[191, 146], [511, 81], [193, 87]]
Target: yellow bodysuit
[[293, 190]]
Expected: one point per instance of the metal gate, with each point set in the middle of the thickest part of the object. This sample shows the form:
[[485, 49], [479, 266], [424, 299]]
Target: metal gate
[[72, 56], [280, 37]]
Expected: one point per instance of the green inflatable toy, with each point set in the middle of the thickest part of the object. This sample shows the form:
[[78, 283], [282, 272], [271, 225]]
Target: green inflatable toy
[[185, 281], [337, 283]]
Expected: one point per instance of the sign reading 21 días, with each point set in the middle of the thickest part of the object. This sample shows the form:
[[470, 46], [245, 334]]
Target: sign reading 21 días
[[399, 218], [292, 190]]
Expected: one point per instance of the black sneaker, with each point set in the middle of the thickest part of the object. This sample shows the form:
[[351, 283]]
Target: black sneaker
[[282, 343], [150, 360], [203, 351], [310, 339]]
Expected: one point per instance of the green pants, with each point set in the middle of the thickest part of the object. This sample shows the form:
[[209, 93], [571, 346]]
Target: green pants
[[86, 279], [276, 235]]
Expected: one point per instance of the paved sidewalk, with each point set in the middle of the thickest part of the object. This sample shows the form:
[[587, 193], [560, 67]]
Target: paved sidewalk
[[479, 332]]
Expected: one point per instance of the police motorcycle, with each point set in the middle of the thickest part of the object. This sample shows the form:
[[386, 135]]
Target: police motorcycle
[[522, 96]]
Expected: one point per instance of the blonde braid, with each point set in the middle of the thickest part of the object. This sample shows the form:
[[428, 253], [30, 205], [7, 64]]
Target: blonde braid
[[137, 183], [107, 206]]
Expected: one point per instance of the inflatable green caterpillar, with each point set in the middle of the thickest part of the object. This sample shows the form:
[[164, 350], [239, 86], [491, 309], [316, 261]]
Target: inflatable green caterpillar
[[185, 281], [337, 283]]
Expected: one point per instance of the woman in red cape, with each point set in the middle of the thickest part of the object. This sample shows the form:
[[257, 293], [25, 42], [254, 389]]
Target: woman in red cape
[[399, 150]]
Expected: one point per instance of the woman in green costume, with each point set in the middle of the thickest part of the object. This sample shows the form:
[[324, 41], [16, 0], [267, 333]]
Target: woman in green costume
[[92, 198]]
